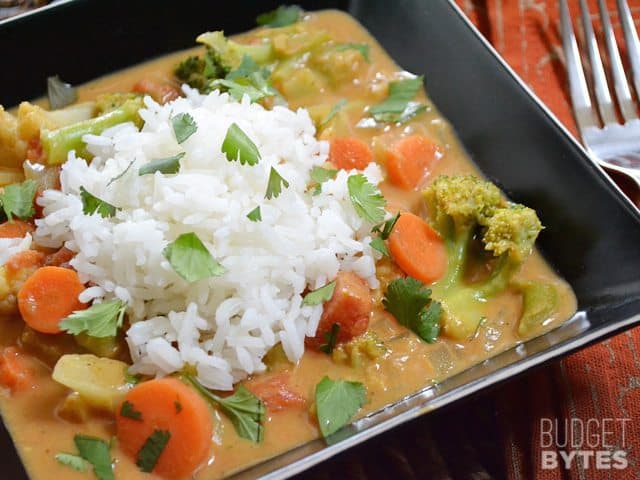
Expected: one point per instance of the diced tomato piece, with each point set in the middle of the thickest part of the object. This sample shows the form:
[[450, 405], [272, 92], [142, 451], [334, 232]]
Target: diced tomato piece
[[350, 307], [61, 258], [21, 261], [275, 392], [159, 91], [16, 373], [15, 229]]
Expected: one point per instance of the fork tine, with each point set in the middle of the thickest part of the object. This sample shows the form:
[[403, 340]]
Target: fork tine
[[603, 97], [621, 86], [578, 90], [631, 39]]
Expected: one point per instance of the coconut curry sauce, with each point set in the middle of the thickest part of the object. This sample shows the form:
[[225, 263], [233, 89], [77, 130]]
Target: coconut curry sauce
[[390, 360]]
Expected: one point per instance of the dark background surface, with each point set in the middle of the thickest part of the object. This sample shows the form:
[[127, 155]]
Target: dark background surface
[[505, 131]]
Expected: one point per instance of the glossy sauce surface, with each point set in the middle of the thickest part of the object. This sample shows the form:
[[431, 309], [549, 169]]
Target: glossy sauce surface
[[408, 365]]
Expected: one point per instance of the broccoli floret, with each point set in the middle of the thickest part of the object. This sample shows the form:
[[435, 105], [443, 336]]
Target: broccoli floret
[[221, 57], [471, 216]]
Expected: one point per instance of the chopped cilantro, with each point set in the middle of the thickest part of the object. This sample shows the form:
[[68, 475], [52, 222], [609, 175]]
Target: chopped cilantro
[[151, 450], [130, 378], [244, 409], [255, 215], [183, 126], [366, 198], [95, 451], [409, 301], [237, 146], [76, 462], [320, 295], [92, 204], [336, 402], [379, 245], [167, 165], [383, 230], [17, 199], [128, 410], [399, 105], [333, 112], [320, 175], [274, 184], [363, 48], [331, 338], [280, 17], [190, 258], [99, 320]]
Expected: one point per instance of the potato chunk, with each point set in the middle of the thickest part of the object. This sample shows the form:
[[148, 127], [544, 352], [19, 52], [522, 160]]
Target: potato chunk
[[100, 381]]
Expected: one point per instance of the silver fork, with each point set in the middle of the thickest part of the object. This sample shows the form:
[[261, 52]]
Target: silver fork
[[615, 145]]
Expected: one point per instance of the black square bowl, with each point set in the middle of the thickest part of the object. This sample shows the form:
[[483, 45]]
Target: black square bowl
[[592, 235]]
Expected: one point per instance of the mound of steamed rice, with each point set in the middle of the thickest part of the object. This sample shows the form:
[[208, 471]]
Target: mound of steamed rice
[[222, 326]]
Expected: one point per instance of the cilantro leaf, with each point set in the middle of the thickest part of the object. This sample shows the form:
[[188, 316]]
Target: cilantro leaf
[[99, 320], [320, 175], [336, 402], [167, 165], [183, 126], [363, 48], [280, 17], [274, 184], [238, 146], [247, 66], [379, 245], [76, 462], [255, 215], [409, 301], [366, 198], [17, 199], [129, 411], [122, 174], [255, 86], [244, 409], [92, 204], [320, 295], [95, 451], [190, 258], [428, 325], [334, 111], [398, 106], [331, 338], [384, 229], [152, 449]]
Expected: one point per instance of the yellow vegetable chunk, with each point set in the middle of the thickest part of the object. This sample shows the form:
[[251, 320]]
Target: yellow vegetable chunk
[[100, 381]]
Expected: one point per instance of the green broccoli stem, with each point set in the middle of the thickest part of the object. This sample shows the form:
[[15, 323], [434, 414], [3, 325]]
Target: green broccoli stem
[[500, 277], [457, 243], [56, 144]]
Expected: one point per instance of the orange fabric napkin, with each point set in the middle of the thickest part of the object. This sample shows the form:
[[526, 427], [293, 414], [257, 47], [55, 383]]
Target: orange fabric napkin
[[592, 395]]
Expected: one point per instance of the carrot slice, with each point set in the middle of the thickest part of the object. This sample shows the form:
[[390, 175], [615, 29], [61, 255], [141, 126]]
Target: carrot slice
[[48, 296], [275, 392], [15, 229], [417, 248], [410, 159], [171, 406], [15, 372], [350, 153], [159, 91]]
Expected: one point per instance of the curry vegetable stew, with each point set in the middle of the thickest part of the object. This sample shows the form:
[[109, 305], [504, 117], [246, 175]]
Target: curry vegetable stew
[[213, 257]]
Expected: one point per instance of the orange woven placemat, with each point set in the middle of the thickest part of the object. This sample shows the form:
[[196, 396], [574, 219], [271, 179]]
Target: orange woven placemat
[[598, 389]]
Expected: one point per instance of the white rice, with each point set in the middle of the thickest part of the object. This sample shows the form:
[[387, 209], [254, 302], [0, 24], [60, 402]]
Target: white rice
[[224, 325], [11, 246]]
